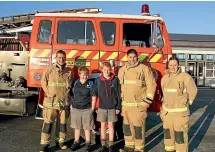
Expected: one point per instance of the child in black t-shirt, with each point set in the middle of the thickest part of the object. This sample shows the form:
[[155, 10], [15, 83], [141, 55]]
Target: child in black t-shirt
[[82, 108]]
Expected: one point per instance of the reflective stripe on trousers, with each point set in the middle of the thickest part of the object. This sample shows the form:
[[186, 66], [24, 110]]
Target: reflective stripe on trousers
[[132, 104], [175, 110]]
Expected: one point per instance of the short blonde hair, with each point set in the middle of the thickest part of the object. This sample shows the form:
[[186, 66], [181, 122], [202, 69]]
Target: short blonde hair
[[83, 69]]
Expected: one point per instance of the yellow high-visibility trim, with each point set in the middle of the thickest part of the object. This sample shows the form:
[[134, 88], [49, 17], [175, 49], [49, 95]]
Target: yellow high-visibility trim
[[132, 104], [45, 53], [64, 147], [85, 55], [155, 58], [61, 140], [129, 82], [129, 143], [43, 142], [57, 84], [96, 57], [124, 58], [139, 147], [54, 104], [113, 55], [102, 53], [176, 109], [170, 90], [169, 148], [71, 53]]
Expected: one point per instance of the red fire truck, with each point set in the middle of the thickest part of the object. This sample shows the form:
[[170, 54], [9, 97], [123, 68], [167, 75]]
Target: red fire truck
[[89, 38]]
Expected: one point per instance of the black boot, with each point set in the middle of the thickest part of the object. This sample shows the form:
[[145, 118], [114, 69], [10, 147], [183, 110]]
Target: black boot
[[75, 146], [44, 148], [88, 147], [57, 144], [127, 149]]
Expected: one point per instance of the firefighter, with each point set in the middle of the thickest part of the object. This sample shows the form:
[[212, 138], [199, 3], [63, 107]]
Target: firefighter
[[138, 87], [179, 91], [56, 83]]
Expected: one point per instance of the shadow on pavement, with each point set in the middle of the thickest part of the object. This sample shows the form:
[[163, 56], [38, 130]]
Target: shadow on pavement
[[156, 136], [201, 126]]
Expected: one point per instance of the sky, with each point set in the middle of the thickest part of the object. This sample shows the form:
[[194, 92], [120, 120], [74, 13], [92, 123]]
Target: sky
[[180, 17]]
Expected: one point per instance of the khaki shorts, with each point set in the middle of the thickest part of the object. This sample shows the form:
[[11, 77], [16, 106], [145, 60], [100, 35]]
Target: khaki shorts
[[82, 119], [106, 115]]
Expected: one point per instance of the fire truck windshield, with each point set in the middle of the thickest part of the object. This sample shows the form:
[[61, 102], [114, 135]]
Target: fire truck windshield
[[76, 32]]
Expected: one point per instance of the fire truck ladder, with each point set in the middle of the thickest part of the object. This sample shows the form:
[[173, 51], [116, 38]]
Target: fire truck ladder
[[22, 23]]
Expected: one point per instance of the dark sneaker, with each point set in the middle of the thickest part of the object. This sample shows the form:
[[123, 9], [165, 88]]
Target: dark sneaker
[[57, 144], [111, 149], [127, 149], [103, 149], [75, 146]]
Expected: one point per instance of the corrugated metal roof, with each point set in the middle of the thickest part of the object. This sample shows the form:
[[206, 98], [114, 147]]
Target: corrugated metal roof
[[192, 40]]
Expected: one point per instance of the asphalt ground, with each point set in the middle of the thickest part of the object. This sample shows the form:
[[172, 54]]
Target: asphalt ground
[[22, 134]]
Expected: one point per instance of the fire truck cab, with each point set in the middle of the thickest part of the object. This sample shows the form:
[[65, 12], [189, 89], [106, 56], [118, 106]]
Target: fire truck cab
[[29, 42], [89, 39]]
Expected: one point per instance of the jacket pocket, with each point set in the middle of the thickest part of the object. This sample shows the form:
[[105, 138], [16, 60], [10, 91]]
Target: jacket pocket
[[140, 80], [182, 120], [142, 112], [180, 88]]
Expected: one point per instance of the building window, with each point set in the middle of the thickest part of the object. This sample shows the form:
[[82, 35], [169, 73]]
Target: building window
[[108, 33], [191, 57], [181, 56], [209, 65], [210, 70], [76, 32], [209, 57], [199, 57], [209, 73]]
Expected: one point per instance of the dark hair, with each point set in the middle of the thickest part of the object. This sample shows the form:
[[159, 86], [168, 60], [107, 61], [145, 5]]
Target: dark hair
[[132, 51], [61, 52], [174, 58]]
